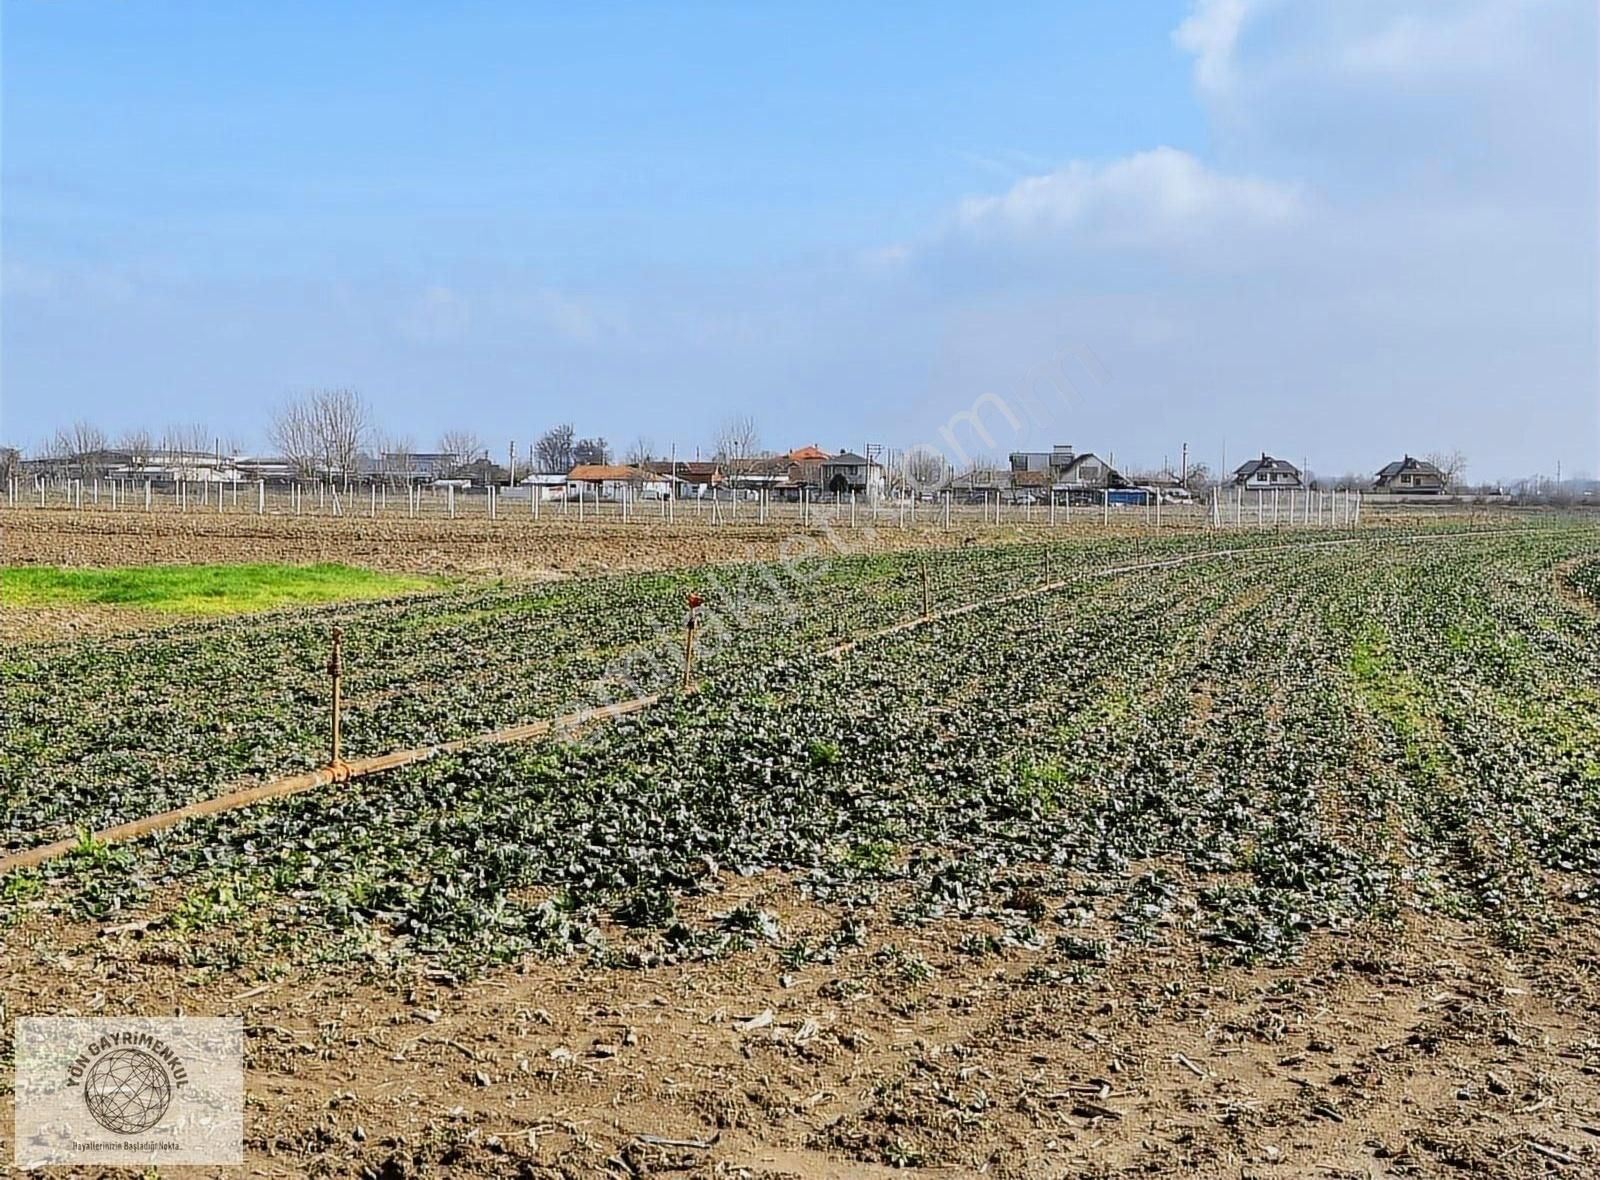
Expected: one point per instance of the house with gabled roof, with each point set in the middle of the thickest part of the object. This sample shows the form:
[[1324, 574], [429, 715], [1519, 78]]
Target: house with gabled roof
[[610, 481], [1410, 476], [1267, 474], [848, 472]]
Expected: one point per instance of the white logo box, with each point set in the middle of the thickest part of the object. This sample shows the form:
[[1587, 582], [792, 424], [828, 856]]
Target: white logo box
[[134, 1091]]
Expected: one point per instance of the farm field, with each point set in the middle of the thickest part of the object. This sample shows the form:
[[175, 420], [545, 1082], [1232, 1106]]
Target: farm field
[[1135, 858], [556, 545]]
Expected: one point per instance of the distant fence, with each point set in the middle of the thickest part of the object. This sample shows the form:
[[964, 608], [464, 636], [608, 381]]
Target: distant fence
[[1224, 508]]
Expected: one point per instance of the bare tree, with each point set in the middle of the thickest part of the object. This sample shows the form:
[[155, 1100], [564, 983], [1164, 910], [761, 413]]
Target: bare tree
[[138, 445], [1197, 477], [293, 434], [79, 447], [10, 463], [1452, 465], [395, 455], [737, 443], [554, 451], [344, 423], [323, 433], [591, 450], [461, 449], [641, 452], [925, 470]]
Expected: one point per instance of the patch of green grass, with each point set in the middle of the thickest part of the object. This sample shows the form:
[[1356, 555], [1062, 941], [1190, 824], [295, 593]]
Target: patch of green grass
[[202, 589]]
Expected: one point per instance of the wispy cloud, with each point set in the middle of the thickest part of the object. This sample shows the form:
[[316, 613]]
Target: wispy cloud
[[1153, 198], [1210, 33]]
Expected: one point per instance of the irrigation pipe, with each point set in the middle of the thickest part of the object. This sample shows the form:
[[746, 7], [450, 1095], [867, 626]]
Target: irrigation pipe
[[28, 858], [326, 777]]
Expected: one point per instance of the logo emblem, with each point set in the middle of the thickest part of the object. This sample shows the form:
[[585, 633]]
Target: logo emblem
[[127, 1091]]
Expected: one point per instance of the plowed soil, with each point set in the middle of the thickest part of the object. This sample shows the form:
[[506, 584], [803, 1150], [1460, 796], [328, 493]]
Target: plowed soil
[[1407, 1051]]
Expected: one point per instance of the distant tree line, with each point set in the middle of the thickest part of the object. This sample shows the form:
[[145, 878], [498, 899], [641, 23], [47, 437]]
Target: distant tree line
[[334, 433]]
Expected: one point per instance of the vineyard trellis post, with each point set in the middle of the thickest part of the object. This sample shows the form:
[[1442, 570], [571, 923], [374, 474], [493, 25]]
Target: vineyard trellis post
[[688, 643], [336, 674]]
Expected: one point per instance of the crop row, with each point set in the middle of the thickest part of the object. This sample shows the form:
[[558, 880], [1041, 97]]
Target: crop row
[[1247, 749], [101, 732]]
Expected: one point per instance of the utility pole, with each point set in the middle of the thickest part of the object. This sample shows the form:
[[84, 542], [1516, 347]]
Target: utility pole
[[1183, 467]]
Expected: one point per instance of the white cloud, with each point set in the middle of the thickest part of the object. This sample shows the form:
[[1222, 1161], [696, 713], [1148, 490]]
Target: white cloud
[[1389, 241], [1156, 198], [1446, 43], [1210, 32]]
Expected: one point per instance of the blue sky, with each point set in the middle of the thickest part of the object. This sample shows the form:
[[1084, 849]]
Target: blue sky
[[1337, 229]]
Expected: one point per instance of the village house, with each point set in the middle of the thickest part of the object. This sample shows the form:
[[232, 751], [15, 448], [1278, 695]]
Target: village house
[[1267, 474], [805, 467], [611, 481], [1060, 469], [848, 472], [1410, 476], [691, 477]]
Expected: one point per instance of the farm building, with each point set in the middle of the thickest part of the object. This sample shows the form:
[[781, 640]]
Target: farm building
[[1267, 474], [420, 466], [1411, 477], [978, 481], [546, 485], [610, 481], [690, 477]]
